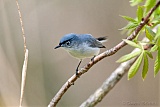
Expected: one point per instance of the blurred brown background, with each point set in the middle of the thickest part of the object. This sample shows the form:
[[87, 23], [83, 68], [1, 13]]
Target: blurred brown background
[[45, 22]]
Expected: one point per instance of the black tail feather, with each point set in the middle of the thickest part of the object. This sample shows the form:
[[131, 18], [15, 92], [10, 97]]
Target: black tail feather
[[102, 38]]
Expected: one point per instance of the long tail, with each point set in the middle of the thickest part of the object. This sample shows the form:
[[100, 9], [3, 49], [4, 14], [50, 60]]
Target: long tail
[[102, 39]]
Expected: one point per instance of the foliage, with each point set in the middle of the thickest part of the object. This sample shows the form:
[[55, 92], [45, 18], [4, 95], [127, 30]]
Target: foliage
[[143, 54]]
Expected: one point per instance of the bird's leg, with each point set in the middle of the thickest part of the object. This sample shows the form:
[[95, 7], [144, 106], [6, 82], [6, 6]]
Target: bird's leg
[[78, 67], [92, 59]]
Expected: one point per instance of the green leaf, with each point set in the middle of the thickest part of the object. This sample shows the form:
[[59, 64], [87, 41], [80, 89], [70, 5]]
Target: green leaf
[[157, 37], [156, 22], [134, 68], [149, 54], [128, 56], [154, 48], [130, 26], [157, 63], [131, 43], [140, 13], [145, 66], [158, 42], [149, 4], [157, 13], [149, 33], [129, 18], [135, 2], [157, 33]]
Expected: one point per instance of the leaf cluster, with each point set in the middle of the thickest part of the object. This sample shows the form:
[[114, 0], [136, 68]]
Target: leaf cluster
[[143, 53]]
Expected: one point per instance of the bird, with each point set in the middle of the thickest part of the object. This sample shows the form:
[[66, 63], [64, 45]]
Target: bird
[[81, 46]]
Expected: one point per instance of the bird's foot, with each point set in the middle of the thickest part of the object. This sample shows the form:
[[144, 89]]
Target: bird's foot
[[92, 59], [77, 74]]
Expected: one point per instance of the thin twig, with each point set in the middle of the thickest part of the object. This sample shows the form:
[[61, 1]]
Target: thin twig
[[22, 28], [24, 68], [107, 53]]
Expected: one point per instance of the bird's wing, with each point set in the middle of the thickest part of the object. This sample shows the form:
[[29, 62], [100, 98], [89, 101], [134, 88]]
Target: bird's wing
[[93, 42]]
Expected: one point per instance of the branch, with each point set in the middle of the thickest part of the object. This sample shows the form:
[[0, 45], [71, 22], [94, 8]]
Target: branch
[[107, 53], [24, 68], [112, 80], [108, 84], [22, 28]]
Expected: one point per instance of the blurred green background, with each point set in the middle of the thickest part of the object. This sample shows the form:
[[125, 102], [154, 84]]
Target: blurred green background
[[45, 22]]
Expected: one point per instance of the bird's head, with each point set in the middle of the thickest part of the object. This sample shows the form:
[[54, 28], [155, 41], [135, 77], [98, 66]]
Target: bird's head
[[67, 41]]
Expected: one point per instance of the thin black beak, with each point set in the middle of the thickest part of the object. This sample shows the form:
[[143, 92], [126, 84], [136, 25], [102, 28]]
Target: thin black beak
[[57, 47]]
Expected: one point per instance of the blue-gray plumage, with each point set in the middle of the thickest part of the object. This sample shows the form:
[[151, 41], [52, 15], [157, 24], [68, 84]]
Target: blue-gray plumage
[[81, 45]]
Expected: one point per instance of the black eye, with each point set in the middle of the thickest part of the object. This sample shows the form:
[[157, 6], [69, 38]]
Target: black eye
[[68, 43]]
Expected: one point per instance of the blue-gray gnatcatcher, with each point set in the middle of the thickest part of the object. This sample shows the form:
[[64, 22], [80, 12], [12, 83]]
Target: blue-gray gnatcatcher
[[81, 46]]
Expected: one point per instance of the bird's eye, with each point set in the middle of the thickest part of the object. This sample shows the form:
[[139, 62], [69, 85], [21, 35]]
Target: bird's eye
[[68, 43]]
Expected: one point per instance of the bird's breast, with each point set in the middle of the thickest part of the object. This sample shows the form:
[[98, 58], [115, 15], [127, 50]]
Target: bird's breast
[[82, 52]]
